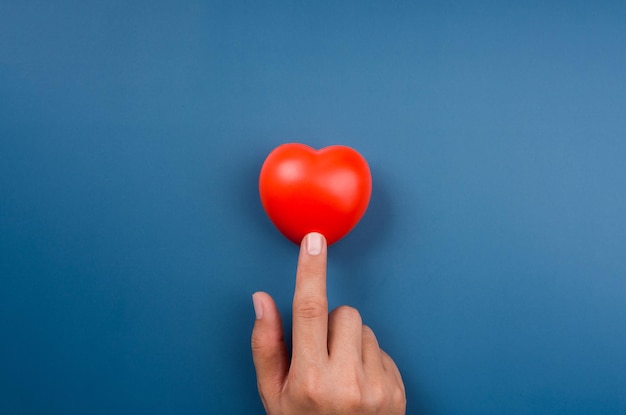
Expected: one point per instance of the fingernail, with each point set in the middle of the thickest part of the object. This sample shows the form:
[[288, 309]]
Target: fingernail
[[314, 243], [258, 306]]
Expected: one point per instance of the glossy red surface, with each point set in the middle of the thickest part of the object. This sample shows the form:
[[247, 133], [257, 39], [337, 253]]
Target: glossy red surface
[[305, 190]]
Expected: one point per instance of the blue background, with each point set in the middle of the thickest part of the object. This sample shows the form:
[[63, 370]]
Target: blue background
[[491, 262]]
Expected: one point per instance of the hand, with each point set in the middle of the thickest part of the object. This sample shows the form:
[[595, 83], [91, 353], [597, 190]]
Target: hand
[[337, 367]]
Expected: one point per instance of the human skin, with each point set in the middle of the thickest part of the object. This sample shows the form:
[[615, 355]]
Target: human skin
[[336, 365]]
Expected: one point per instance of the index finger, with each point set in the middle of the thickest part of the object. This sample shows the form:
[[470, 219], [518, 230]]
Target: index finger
[[310, 304]]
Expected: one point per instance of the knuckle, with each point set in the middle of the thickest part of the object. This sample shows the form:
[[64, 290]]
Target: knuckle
[[367, 331], [264, 343], [377, 395], [256, 341], [262, 340], [399, 399], [310, 308], [368, 336], [312, 271], [348, 314], [350, 398], [309, 388]]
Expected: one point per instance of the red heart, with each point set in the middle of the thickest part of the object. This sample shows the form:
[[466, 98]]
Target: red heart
[[306, 190]]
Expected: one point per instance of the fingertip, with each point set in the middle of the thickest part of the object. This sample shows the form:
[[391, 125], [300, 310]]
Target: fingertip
[[265, 308], [268, 325], [257, 303], [264, 305], [313, 243]]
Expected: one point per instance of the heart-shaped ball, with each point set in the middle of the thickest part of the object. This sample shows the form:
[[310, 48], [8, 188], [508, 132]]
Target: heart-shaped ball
[[306, 190]]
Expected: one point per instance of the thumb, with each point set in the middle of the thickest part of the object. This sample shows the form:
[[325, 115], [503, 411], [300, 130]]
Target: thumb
[[269, 351]]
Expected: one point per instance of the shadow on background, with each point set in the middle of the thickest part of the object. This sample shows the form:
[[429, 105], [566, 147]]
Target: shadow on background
[[355, 253]]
